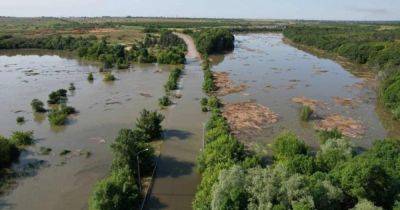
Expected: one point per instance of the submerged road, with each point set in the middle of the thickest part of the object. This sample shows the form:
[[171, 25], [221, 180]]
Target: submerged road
[[176, 179]]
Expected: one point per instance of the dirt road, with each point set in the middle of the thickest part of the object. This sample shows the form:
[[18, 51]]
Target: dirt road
[[191, 47]]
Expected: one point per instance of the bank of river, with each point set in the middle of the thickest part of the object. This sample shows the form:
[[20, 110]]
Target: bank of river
[[275, 73], [65, 182]]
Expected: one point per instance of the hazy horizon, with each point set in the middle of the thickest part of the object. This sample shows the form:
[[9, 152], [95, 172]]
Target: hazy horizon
[[356, 10]]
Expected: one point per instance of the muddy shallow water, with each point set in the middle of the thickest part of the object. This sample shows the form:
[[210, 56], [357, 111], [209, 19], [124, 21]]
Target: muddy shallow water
[[274, 73], [65, 182]]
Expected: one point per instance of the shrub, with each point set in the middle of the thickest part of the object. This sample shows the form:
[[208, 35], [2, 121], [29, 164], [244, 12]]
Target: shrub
[[287, 145], [67, 109], [71, 87], [149, 123], [396, 113], [164, 101], [45, 150], [8, 152], [116, 192], [204, 101], [58, 97], [332, 134], [172, 83], [209, 41], [57, 117], [109, 77], [213, 102], [37, 105], [21, 138], [20, 120], [306, 113], [90, 77]]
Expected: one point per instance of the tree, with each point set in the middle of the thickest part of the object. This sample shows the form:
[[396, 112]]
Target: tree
[[287, 145], [228, 192], [126, 148], [149, 123], [333, 152], [116, 192]]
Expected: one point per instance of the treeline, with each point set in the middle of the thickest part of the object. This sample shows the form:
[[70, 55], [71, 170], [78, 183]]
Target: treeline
[[375, 46], [336, 177], [211, 41], [167, 49], [133, 157]]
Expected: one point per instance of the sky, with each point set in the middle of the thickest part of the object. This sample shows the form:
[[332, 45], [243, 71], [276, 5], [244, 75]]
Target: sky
[[257, 9]]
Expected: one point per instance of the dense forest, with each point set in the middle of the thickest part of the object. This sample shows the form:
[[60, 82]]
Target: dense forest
[[374, 45]]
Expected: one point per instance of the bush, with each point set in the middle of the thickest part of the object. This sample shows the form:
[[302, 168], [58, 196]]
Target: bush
[[90, 77], [38, 106], [204, 101], [58, 97], [57, 117], [116, 192], [287, 145], [67, 109], [71, 87], [21, 138], [332, 134], [306, 113], [164, 101], [20, 120], [149, 123], [8, 152], [172, 83], [333, 152], [109, 77]]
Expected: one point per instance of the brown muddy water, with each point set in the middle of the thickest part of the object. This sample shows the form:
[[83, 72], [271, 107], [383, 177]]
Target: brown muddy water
[[275, 72], [65, 182]]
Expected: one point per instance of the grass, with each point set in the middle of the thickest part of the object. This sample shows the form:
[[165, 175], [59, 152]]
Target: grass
[[57, 117], [306, 113]]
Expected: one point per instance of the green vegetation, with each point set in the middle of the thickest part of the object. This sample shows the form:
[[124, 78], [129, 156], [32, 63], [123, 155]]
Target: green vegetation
[[372, 45], [21, 138], [59, 115], [20, 120], [203, 103], [306, 113], [131, 150], [211, 41], [149, 123], [90, 77], [208, 81], [172, 83], [9, 153], [38, 106], [71, 87], [164, 101], [334, 178], [58, 97], [108, 77]]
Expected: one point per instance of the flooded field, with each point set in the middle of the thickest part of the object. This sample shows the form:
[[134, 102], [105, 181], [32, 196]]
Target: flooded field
[[65, 182], [280, 77]]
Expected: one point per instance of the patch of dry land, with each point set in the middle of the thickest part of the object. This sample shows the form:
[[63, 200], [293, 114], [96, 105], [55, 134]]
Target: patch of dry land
[[312, 103], [248, 117], [347, 126], [225, 85]]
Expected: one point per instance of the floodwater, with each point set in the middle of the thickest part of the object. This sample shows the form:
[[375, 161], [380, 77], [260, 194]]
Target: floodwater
[[275, 72], [65, 182], [176, 178]]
